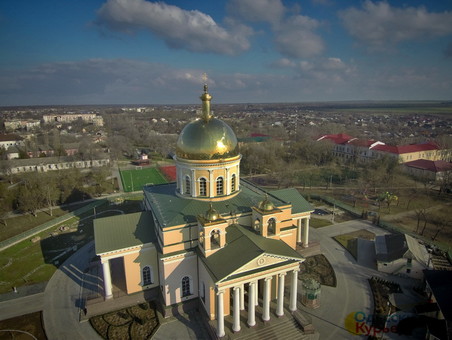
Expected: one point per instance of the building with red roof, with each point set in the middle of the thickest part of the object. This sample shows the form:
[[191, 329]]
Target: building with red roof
[[431, 170], [349, 148]]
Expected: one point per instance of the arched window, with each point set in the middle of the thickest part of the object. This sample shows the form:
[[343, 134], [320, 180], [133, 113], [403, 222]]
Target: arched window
[[187, 185], [186, 286], [203, 292], [220, 186], [233, 183], [202, 187], [271, 226], [147, 276], [215, 239], [257, 225]]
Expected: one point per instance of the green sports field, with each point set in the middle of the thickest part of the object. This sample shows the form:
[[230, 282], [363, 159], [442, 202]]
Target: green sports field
[[134, 180]]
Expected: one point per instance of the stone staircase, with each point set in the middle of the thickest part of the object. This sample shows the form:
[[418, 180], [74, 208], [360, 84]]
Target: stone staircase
[[288, 329]]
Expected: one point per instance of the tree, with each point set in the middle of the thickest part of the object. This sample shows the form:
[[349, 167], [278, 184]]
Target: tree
[[441, 222], [50, 194], [29, 197], [5, 203], [388, 198]]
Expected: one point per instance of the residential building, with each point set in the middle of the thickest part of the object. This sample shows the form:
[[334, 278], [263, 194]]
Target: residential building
[[401, 254], [350, 148], [44, 164], [9, 140], [68, 118], [428, 170]]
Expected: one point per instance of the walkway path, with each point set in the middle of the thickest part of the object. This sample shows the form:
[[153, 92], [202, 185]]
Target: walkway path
[[352, 293], [62, 299]]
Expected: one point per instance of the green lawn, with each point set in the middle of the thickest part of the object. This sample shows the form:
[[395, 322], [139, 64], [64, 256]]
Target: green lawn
[[134, 180], [28, 263], [350, 241], [21, 223], [319, 223]]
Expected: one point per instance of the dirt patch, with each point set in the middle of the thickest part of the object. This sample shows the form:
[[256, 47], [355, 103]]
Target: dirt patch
[[29, 323], [319, 268]]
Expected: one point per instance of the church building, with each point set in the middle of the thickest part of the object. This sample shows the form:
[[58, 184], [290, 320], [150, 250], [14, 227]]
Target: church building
[[210, 235]]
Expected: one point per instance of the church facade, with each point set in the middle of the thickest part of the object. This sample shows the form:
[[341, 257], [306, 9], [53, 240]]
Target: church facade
[[210, 235]]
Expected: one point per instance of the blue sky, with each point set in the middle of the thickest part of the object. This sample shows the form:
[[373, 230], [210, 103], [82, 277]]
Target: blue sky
[[147, 52]]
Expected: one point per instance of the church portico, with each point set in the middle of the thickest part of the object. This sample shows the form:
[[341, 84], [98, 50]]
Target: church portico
[[254, 301]]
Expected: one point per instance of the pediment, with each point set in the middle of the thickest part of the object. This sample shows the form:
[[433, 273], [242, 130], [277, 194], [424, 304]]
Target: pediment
[[262, 262]]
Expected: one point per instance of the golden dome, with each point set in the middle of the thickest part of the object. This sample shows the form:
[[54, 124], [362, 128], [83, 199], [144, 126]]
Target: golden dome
[[206, 138], [213, 139], [212, 214], [266, 204]]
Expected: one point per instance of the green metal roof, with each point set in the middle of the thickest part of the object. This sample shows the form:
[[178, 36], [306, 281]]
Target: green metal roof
[[171, 210], [123, 231], [244, 245], [299, 203]]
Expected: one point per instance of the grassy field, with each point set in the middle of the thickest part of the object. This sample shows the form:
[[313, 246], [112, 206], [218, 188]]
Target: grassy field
[[350, 241], [32, 262], [135, 179], [318, 222], [21, 223]]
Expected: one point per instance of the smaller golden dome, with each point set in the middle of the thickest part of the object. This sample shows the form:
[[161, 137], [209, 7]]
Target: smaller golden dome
[[266, 204], [212, 214]]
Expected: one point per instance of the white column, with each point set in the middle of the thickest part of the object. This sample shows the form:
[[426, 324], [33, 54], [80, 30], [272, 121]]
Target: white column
[[242, 297], [107, 279], [236, 325], [220, 316], [251, 306], [267, 286], [293, 291], [306, 232], [280, 306], [256, 294], [299, 230]]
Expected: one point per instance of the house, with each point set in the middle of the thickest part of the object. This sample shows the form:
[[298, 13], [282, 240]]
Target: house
[[210, 239], [11, 140], [401, 254]]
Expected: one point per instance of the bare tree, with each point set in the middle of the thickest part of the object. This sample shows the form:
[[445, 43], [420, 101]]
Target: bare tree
[[441, 222]]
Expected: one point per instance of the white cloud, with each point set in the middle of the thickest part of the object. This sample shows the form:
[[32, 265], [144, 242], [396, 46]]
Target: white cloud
[[123, 81], [190, 30], [270, 11], [295, 37], [283, 63], [379, 23]]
